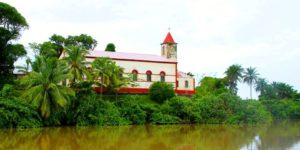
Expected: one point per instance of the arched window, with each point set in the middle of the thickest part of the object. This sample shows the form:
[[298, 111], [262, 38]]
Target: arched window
[[149, 73], [134, 75], [162, 76], [186, 83]]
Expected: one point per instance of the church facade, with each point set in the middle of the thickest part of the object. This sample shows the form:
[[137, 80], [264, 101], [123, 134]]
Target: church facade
[[147, 69]]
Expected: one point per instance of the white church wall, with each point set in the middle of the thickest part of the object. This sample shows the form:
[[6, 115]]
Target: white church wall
[[143, 67], [181, 84], [154, 67]]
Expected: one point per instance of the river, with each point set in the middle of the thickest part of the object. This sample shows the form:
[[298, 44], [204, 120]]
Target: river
[[281, 135]]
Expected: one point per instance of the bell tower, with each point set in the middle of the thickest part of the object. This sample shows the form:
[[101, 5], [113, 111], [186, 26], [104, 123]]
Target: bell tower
[[169, 48]]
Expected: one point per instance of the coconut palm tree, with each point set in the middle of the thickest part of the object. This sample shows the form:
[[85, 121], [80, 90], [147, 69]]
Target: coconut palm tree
[[234, 75], [75, 58], [250, 77], [110, 75], [25, 69], [43, 88], [102, 70]]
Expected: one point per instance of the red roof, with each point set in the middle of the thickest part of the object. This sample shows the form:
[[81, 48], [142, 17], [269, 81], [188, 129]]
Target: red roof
[[169, 39], [129, 56]]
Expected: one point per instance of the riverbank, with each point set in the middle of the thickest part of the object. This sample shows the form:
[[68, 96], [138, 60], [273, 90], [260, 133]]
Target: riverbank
[[94, 109]]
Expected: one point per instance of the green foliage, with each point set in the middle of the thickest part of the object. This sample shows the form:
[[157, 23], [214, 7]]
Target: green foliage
[[261, 86], [211, 86], [250, 112], [183, 108], [15, 113], [110, 74], [216, 109], [47, 49], [76, 63], [234, 74], [283, 109], [7, 90], [110, 47], [83, 41], [43, 87], [160, 118], [11, 19], [11, 25], [277, 90], [130, 109], [83, 88], [93, 111], [228, 108], [57, 43], [9, 53], [161, 91]]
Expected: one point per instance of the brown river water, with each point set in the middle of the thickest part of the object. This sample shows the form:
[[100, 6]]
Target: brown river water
[[277, 136]]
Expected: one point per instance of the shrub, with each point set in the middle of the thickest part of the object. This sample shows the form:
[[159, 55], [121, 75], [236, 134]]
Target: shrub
[[160, 118], [17, 113], [130, 109], [216, 109], [92, 111], [183, 108], [149, 109], [161, 91], [250, 112], [7, 90], [283, 109], [228, 108]]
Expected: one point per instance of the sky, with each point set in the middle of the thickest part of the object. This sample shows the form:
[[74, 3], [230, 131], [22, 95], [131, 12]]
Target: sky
[[211, 35]]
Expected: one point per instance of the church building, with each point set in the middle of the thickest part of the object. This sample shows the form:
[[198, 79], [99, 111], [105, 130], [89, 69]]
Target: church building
[[147, 69]]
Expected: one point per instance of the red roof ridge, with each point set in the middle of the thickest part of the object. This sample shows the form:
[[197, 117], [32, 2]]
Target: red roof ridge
[[169, 39]]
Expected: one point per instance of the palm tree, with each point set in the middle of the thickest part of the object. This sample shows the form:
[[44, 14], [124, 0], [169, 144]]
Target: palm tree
[[250, 77], [75, 58], [102, 70], [110, 75], [25, 69], [234, 74], [43, 88], [261, 85]]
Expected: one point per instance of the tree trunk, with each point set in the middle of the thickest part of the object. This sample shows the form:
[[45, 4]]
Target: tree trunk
[[251, 91], [101, 86]]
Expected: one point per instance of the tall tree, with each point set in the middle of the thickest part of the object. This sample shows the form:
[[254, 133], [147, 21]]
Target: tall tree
[[261, 86], [83, 40], [57, 43], [44, 89], [75, 58], [110, 47], [234, 75], [11, 25], [250, 77]]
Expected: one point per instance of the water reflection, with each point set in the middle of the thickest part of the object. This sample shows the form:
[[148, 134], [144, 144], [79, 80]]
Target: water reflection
[[171, 137]]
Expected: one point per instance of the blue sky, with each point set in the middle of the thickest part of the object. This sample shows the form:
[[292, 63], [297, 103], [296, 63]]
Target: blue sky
[[211, 35]]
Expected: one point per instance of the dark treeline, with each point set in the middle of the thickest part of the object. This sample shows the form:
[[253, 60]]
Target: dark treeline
[[60, 91]]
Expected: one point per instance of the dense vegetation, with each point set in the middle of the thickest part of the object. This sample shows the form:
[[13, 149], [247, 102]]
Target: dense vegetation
[[60, 91], [161, 91]]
